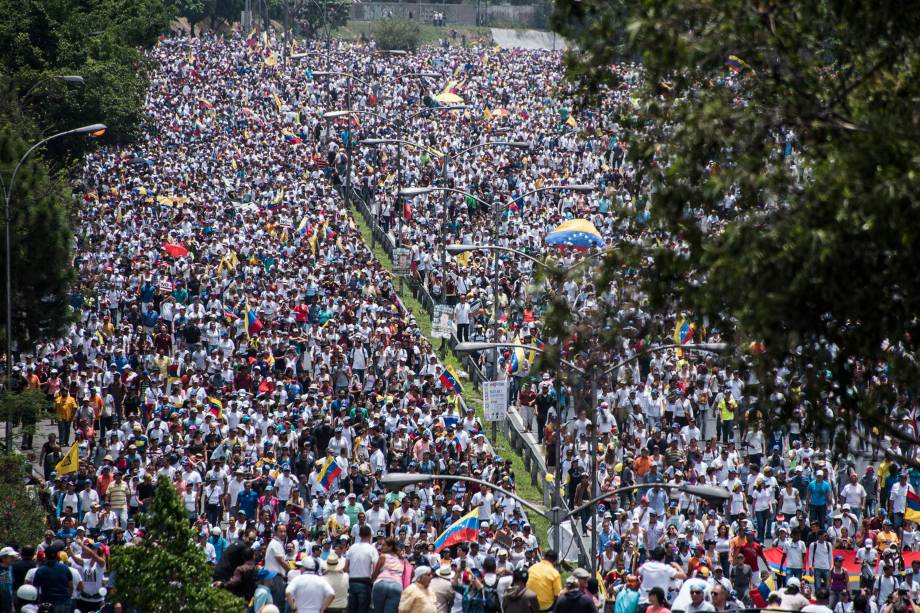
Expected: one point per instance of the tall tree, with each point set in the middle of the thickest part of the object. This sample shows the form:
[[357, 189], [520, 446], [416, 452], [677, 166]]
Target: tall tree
[[41, 39], [22, 518], [808, 156], [167, 572], [41, 247]]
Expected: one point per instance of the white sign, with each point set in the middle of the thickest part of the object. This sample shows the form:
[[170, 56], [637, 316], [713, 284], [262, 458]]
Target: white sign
[[495, 400], [442, 322], [402, 260]]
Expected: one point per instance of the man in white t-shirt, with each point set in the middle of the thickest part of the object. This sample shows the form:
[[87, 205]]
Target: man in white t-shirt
[[309, 593], [360, 560], [655, 573], [854, 494], [275, 560]]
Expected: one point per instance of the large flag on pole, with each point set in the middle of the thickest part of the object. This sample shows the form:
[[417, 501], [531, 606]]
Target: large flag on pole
[[464, 529]]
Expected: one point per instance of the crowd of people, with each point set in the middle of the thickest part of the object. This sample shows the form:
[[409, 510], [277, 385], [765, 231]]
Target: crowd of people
[[234, 335]]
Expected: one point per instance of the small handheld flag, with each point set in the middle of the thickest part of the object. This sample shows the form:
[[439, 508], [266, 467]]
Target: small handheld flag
[[215, 406], [329, 473], [450, 380], [70, 463]]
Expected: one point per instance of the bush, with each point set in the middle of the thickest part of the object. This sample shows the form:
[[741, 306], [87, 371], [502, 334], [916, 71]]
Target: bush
[[397, 34], [22, 518]]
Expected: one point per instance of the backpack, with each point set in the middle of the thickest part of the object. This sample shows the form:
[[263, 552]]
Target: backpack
[[492, 603]]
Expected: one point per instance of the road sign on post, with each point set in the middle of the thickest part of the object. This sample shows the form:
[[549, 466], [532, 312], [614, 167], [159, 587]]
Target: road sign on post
[[495, 400]]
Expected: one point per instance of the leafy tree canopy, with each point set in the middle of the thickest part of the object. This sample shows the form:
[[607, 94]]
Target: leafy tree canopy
[[167, 572], [22, 520], [815, 253], [397, 34]]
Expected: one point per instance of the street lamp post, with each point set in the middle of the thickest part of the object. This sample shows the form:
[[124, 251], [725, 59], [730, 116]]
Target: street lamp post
[[93, 129], [555, 516], [592, 374]]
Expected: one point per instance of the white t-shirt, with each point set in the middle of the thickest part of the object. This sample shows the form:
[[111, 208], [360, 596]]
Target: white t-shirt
[[272, 552], [654, 574], [795, 553], [309, 592], [361, 560], [853, 494]]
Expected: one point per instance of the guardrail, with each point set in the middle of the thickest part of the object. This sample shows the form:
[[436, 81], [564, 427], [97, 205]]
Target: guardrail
[[512, 426]]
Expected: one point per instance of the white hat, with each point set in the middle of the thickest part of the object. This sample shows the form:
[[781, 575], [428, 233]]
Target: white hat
[[308, 564], [793, 582], [27, 592], [445, 571], [8, 551], [420, 572]]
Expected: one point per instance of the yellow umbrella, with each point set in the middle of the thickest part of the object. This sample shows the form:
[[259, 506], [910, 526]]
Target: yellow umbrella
[[448, 98]]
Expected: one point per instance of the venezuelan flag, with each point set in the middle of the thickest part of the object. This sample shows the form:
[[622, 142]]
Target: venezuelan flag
[[252, 39], [683, 331], [229, 315], [253, 325], [912, 511], [304, 227], [205, 104], [291, 138], [329, 473], [277, 200], [517, 357], [464, 529], [215, 406], [450, 380], [537, 344]]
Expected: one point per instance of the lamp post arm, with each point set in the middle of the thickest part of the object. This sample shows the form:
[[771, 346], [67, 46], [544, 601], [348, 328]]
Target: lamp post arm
[[487, 346], [9, 191], [707, 347], [512, 495], [703, 491], [409, 143], [481, 146]]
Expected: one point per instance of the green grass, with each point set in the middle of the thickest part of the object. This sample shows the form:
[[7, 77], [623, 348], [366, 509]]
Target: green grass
[[429, 34], [472, 394]]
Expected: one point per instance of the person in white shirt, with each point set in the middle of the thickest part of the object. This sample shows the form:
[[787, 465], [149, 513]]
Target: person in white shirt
[[655, 573], [309, 593], [274, 553], [820, 557], [793, 548], [897, 500], [360, 560], [854, 494], [462, 319]]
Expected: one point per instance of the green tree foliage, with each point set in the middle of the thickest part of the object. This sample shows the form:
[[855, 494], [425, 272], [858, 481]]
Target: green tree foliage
[[167, 572], [26, 408], [397, 34], [97, 40], [817, 254], [22, 519], [42, 253], [314, 17]]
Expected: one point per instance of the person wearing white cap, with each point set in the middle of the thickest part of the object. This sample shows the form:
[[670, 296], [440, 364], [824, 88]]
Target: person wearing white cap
[[338, 580], [819, 497], [308, 592], [418, 597]]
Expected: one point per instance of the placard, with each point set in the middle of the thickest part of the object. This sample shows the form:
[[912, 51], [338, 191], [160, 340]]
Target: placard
[[495, 400], [402, 260], [442, 321]]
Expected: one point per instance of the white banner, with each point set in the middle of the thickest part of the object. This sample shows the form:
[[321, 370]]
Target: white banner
[[495, 400]]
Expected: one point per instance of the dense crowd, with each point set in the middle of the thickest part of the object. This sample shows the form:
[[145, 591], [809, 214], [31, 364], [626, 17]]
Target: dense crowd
[[234, 335]]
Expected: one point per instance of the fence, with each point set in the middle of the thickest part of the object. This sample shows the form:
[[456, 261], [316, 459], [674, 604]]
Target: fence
[[480, 13]]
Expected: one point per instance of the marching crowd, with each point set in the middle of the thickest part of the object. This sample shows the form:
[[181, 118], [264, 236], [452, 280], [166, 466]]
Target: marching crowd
[[234, 335]]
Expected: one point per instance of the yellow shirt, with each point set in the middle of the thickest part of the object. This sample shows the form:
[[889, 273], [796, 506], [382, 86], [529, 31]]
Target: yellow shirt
[[417, 599], [64, 408], [546, 583]]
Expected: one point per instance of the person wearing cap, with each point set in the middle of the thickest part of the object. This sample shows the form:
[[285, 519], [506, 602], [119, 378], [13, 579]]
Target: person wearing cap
[[897, 500], [262, 596], [8, 556], [308, 592], [54, 580], [819, 498], [418, 597]]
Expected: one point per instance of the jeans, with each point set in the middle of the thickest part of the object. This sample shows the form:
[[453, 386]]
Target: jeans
[[818, 513], [821, 577], [385, 596], [763, 524], [359, 596], [63, 432], [122, 516]]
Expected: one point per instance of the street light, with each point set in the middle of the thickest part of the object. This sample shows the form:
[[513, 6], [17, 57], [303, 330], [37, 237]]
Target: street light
[[710, 493], [96, 129]]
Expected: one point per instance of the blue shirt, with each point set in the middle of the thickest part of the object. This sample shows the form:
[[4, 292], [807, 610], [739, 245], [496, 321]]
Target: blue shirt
[[53, 583], [819, 493], [248, 499]]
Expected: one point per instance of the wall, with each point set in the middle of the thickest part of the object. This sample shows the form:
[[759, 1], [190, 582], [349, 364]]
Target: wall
[[462, 14]]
